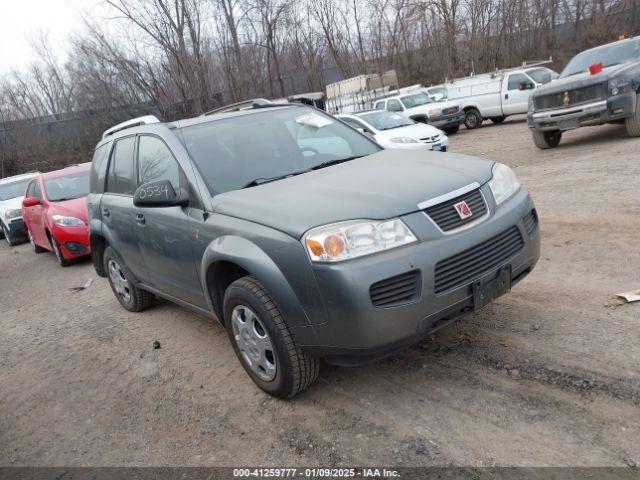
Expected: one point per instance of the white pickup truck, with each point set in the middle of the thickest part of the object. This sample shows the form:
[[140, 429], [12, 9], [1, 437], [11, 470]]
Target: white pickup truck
[[496, 95]]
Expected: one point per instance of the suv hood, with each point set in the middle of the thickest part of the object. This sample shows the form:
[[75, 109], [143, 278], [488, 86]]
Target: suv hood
[[577, 81], [386, 184]]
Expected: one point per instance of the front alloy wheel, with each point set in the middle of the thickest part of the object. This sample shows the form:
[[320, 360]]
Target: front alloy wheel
[[263, 342], [253, 342]]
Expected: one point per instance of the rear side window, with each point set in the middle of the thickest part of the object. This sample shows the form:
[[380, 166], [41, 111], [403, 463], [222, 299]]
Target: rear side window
[[156, 162], [394, 106], [120, 177], [99, 168], [379, 106]]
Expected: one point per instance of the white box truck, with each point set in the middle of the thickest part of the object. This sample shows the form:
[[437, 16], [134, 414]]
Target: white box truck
[[498, 94]]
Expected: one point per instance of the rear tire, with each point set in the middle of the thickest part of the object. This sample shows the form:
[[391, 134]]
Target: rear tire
[[452, 130], [498, 120], [545, 140], [633, 123], [263, 343], [130, 297], [472, 119]]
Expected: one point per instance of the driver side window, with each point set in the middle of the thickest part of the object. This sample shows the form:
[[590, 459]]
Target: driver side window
[[156, 162], [394, 106], [519, 80]]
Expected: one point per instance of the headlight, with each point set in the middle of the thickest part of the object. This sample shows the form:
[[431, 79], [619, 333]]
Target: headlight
[[15, 213], [616, 86], [404, 140], [434, 113], [63, 221], [504, 183], [342, 241]]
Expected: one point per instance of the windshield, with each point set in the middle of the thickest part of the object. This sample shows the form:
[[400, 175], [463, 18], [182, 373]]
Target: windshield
[[538, 74], [619, 52], [68, 187], [386, 120], [416, 100], [232, 152], [13, 189]]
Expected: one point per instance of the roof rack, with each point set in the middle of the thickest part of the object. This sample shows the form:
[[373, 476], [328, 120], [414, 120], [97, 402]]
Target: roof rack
[[245, 105], [134, 122]]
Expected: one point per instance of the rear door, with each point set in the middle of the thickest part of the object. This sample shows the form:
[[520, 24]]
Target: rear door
[[168, 236], [116, 208], [515, 96]]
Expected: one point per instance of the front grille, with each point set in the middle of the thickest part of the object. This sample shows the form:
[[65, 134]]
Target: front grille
[[530, 221], [446, 216], [397, 290], [431, 139], [449, 110], [576, 97], [465, 267]]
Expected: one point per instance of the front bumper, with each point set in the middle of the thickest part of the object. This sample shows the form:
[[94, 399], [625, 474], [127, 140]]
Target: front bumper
[[15, 228], [447, 121], [356, 331], [73, 241], [595, 113]]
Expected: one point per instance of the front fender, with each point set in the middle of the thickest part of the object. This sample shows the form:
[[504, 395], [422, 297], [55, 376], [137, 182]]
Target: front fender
[[253, 259]]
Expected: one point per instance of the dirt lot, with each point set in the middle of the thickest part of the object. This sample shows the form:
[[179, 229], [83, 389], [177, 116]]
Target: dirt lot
[[548, 375]]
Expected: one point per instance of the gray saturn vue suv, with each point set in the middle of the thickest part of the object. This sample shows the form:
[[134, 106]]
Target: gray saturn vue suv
[[302, 236]]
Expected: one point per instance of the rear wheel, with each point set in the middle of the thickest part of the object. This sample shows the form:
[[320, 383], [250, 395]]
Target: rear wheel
[[130, 297], [36, 248], [544, 140], [452, 130], [498, 120], [633, 123], [472, 119], [263, 343]]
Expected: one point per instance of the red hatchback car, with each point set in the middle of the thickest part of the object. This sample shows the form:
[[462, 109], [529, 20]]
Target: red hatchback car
[[54, 211]]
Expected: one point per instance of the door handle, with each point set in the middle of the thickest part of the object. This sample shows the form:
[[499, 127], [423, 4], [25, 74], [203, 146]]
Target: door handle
[[506, 96], [106, 212], [140, 218]]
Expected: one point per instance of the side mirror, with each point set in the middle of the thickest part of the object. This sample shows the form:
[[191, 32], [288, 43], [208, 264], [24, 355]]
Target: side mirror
[[160, 194], [30, 202]]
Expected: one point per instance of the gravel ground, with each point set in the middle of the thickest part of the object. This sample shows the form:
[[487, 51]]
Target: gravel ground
[[547, 375]]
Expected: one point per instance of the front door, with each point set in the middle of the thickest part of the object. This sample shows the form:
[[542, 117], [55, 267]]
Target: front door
[[168, 236], [116, 208], [515, 93]]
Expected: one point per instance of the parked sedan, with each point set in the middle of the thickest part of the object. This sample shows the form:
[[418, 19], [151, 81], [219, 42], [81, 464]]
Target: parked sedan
[[55, 213], [11, 192], [392, 130]]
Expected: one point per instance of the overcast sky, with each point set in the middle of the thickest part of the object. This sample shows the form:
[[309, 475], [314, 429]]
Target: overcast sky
[[22, 19]]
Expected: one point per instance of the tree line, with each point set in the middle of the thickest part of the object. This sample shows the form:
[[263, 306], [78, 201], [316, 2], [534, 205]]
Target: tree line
[[183, 57]]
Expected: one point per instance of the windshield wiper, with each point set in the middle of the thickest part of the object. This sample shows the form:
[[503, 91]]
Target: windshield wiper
[[335, 162], [262, 180]]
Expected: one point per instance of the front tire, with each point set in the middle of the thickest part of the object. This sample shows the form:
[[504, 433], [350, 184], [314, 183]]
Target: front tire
[[58, 253], [472, 119], [130, 297], [545, 140], [452, 130], [36, 248], [7, 237], [263, 343], [633, 123]]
